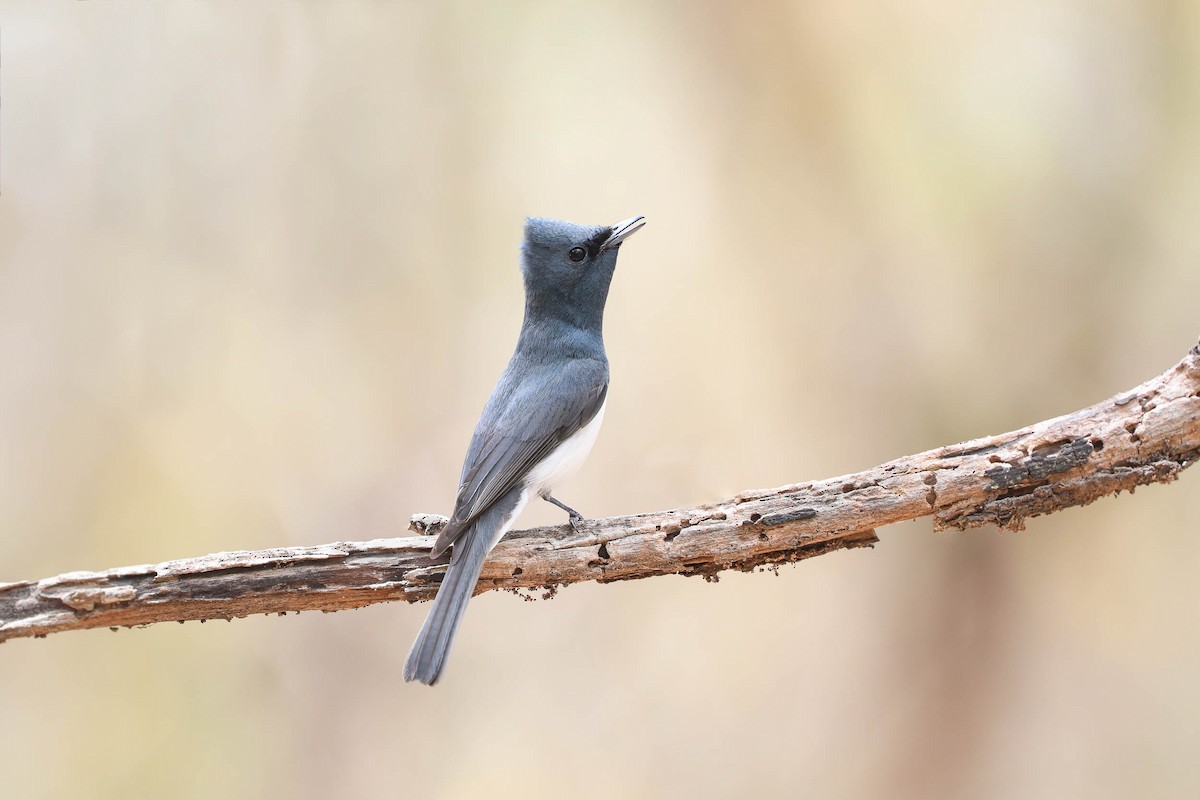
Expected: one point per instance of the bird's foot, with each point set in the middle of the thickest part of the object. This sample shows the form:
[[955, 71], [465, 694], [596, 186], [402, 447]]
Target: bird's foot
[[573, 516]]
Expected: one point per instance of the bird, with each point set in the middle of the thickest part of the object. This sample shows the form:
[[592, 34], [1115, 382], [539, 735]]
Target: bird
[[541, 420]]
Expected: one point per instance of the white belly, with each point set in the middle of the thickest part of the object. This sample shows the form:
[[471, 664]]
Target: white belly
[[566, 458], [508, 523]]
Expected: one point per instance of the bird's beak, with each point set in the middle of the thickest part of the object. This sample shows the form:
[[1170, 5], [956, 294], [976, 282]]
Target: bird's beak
[[622, 231]]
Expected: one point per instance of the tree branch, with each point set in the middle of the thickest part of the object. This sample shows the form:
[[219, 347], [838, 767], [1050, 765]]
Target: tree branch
[[1143, 436]]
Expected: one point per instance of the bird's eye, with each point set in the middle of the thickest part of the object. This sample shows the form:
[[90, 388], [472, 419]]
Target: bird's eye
[[577, 253]]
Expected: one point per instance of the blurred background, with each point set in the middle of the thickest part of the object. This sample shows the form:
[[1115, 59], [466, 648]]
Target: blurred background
[[258, 273]]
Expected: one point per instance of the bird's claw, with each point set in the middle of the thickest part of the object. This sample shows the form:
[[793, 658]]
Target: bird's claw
[[576, 521]]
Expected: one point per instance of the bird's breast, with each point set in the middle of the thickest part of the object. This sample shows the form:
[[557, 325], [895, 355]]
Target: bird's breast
[[568, 457]]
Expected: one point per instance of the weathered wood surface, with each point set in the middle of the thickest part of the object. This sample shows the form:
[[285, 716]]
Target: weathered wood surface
[[1143, 436]]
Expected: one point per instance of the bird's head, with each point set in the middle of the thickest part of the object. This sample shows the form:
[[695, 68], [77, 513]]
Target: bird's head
[[568, 267]]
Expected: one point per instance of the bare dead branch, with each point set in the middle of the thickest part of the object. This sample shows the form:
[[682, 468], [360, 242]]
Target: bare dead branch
[[1143, 436]]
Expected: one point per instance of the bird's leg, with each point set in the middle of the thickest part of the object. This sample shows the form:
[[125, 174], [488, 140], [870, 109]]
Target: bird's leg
[[574, 516]]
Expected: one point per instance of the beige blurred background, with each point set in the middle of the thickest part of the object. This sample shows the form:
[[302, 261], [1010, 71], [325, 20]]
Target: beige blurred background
[[258, 273]]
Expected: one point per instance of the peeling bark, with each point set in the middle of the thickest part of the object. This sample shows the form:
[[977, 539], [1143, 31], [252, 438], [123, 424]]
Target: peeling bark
[[1147, 435]]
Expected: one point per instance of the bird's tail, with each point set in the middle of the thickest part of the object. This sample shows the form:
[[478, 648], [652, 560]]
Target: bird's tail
[[429, 651]]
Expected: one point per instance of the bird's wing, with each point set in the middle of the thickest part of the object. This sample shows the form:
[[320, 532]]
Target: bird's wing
[[521, 426]]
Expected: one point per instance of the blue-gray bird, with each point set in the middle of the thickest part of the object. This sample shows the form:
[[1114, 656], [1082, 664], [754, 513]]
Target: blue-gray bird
[[541, 420]]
